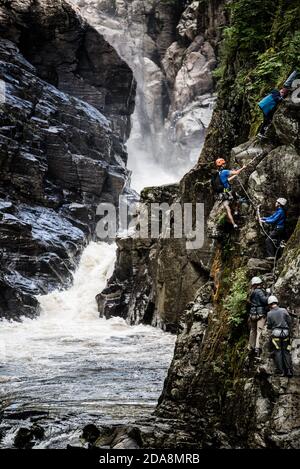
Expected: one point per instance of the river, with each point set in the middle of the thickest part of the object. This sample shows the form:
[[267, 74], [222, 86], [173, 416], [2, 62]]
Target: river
[[69, 368]]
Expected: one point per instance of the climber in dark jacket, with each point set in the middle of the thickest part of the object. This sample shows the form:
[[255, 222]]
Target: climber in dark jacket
[[277, 221], [280, 323], [258, 301]]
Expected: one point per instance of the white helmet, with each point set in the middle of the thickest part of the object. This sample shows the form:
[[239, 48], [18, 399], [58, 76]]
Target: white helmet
[[256, 281], [282, 201], [272, 299]]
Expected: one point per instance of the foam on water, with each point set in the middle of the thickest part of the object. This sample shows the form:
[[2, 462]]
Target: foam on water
[[77, 367]]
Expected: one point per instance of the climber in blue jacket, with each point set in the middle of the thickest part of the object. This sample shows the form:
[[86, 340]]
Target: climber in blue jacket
[[269, 103], [277, 221]]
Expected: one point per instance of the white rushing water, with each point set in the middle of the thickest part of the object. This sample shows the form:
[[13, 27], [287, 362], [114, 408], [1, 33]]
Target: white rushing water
[[153, 157], [68, 367]]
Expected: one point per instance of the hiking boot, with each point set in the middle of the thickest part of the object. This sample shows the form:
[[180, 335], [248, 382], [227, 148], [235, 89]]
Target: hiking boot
[[289, 374]]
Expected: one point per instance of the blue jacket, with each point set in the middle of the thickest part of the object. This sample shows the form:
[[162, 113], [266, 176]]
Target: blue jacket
[[270, 102], [224, 175], [278, 218]]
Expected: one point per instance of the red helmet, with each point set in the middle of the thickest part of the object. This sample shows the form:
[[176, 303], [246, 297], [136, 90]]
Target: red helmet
[[220, 162]]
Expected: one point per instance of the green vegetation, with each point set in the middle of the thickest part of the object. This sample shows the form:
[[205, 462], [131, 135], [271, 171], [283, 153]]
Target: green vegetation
[[259, 50], [236, 301]]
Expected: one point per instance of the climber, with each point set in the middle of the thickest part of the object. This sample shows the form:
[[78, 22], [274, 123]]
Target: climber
[[222, 187], [280, 323], [268, 105], [277, 221], [258, 301]]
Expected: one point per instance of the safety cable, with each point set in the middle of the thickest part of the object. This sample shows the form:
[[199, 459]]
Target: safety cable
[[257, 209]]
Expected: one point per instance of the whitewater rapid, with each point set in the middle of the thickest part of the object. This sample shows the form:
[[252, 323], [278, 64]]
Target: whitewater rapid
[[69, 368]]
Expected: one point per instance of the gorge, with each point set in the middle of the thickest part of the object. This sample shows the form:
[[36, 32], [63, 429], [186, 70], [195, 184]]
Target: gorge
[[85, 82]]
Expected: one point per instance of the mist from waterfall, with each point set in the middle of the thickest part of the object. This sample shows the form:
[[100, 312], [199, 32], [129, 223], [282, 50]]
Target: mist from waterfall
[[155, 156]]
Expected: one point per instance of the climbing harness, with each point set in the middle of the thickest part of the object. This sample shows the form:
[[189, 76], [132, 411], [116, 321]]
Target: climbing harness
[[282, 343], [278, 247]]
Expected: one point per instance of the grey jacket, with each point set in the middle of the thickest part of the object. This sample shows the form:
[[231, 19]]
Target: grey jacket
[[279, 318], [258, 302]]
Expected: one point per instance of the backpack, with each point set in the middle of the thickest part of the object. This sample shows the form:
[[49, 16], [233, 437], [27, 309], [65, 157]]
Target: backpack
[[217, 184]]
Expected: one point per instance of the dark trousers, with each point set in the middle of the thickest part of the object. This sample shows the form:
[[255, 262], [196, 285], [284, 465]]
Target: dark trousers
[[282, 355], [267, 121], [272, 245]]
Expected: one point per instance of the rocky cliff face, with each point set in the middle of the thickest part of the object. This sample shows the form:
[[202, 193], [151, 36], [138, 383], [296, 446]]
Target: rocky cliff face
[[215, 395], [171, 48], [147, 272], [239, 402], [60, 155], [224, 398]]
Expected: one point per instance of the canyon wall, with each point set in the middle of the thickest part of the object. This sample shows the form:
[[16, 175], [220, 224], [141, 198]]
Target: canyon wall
[[66, 101], [171, 48], [216, 395], [219, 396], [155, 279]]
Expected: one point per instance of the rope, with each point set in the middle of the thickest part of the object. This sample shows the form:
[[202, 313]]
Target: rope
[[271, 239], [257, 209], [255, 158], [247, 195]]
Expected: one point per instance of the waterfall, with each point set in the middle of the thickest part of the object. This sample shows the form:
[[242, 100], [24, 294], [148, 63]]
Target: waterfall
[[68, 367], [155, 156]]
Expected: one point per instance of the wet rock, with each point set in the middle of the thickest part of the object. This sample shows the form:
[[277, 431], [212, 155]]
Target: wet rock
[[172, 61], [170, 49], [77, 60], [194, 78], [26, 437], [60, 155], [249, 151], [120, 438], [259, 265], [90, 433], [281, 165], [188, 25], [144, 286]]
